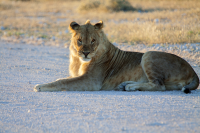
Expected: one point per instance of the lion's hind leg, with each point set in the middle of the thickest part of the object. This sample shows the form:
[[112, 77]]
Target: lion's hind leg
[[122, 86], [145, 87], [133, 86]]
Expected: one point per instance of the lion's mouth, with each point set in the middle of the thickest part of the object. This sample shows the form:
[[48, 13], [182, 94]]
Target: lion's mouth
[[83, 59]]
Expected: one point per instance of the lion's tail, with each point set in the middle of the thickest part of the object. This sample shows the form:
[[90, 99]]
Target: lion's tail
[[192, 85]]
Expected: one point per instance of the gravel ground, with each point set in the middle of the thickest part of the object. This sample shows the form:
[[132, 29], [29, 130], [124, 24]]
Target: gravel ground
[[23, 66]]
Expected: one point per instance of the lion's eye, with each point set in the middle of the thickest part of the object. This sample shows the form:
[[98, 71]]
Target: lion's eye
[[93, 40], [79, 40]]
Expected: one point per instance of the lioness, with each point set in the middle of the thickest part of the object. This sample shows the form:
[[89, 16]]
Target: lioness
[[96, 64]]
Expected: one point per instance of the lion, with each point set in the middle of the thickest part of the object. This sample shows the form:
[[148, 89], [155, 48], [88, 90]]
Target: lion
[[96, 64]]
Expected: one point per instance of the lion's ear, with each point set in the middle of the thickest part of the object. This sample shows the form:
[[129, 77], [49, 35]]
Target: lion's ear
[[87, 22], [99, 25], [74, 26]]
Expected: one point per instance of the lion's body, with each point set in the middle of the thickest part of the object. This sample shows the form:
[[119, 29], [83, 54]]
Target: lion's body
[[96, 64]]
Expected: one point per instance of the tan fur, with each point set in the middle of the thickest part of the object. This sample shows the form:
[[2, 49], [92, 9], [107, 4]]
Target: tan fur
[[96, 64]]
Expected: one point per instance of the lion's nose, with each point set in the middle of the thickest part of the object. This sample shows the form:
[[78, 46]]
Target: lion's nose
[[86, 53]]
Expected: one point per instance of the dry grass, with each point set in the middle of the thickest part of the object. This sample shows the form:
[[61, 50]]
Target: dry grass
[[154, 21]]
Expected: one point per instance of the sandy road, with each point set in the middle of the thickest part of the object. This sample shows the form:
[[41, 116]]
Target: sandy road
[[22, 110]]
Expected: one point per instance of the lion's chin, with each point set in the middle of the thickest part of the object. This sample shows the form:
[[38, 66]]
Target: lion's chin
[[84, 59]]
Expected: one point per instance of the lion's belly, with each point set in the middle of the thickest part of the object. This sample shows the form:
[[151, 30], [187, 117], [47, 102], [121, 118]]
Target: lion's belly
[[130, 74]]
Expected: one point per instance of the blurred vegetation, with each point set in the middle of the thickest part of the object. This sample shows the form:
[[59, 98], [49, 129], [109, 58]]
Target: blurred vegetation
[[5, 6], [44, 0], [106, 5], [129, 21]]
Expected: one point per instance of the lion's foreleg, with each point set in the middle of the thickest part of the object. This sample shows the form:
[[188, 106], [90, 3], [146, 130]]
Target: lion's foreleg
[[53, 86], [82, 83]]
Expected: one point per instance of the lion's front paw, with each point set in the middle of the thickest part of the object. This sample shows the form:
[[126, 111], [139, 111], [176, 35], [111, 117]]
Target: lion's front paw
[[37, 88], [47, 87]]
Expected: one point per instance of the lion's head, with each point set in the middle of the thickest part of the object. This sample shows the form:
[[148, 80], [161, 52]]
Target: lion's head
[[85, 39]]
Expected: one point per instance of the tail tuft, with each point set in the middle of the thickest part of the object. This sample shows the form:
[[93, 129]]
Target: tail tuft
[[192, 85], [186, 90]]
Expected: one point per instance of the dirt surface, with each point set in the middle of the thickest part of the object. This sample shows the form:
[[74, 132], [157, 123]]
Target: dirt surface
[[23, 66]]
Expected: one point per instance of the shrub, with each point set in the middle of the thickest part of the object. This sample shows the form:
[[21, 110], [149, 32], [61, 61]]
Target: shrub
[[88, 5], [119, 5], [106, 5]]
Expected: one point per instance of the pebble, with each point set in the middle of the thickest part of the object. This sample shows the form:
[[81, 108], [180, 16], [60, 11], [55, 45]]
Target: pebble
[[60, 33], [66, 31], [137, 19], [53, 38], [123, 129], [156, 20], [3, 28]]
